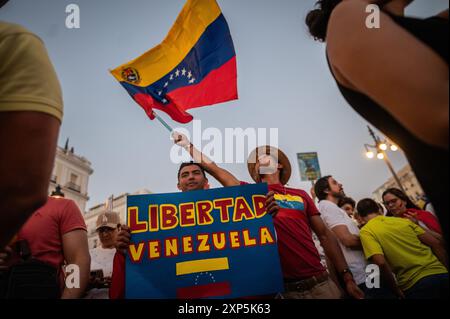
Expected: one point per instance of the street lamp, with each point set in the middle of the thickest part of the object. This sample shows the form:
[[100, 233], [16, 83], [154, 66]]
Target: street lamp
[[381, 147], [394, 148], [57, 193]]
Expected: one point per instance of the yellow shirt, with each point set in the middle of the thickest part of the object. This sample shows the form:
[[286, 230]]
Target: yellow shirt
[[397, 239], [28, 81]]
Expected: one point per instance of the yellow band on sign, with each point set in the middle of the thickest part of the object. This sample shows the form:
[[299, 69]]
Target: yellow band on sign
[[195, 266], [193, 20]]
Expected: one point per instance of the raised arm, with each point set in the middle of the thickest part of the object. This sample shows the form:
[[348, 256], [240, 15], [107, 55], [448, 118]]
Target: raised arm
[[223, 176]]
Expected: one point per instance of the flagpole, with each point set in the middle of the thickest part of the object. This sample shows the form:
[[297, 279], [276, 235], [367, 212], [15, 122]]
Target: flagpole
[[167, 126]]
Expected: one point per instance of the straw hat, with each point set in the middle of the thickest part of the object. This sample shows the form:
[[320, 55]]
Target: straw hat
[[282, 159]]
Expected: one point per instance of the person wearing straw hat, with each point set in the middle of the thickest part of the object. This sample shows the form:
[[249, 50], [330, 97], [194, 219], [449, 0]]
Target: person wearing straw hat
[[295, 216]]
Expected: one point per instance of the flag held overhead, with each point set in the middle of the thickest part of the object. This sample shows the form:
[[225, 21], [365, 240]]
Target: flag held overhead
[[194, 66]]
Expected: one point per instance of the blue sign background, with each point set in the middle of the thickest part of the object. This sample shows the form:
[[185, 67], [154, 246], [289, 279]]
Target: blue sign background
[[252, 270]]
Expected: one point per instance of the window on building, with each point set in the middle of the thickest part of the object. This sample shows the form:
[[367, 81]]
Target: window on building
[[73, 183], [73, 178]]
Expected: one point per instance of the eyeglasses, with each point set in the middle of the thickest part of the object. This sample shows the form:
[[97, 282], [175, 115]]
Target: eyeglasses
[[391, 202]]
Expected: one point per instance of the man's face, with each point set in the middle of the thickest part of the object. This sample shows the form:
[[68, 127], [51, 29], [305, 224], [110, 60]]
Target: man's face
[[107, 236], [336, 189], [191, 179]]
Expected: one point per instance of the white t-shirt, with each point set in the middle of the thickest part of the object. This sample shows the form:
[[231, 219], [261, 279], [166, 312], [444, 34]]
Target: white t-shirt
[[333, 216], [101, 258]]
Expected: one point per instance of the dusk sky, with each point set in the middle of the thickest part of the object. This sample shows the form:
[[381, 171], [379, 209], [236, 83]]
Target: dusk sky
[[283, 82]]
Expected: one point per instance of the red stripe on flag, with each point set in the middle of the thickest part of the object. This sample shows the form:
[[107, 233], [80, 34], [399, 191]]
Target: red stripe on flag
[[218, 86], [203, 291]]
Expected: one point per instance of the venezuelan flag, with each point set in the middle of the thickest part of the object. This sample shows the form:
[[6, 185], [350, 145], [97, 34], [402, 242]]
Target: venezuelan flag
[[290, 201], [194, 66]]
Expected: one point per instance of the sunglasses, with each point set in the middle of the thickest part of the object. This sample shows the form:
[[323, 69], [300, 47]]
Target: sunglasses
[[105, 230]]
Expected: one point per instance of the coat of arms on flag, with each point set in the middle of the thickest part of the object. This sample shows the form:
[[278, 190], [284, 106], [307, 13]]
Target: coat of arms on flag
[[194, 66]]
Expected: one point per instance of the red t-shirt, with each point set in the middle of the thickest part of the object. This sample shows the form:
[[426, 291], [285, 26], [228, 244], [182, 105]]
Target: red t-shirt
[[44, 229], [427, 218], [298, 255]]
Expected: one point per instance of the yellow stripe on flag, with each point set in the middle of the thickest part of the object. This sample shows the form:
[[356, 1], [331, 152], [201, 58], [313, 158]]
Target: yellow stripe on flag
[[289, 198], [194, 266], [192, 21]]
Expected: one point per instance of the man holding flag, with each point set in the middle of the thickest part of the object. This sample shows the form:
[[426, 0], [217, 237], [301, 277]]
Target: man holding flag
[[295, 216], [194, 66], [191, 177]]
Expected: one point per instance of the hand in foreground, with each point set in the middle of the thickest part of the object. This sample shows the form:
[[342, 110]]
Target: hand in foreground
[[272, 207], [123, 239]]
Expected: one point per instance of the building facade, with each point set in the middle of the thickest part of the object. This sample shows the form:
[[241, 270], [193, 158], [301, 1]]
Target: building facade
[[409, 182], [119, 205], [71, 172]]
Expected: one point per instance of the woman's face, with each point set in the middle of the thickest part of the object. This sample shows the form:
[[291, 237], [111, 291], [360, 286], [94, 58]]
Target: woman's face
[[395, 205]]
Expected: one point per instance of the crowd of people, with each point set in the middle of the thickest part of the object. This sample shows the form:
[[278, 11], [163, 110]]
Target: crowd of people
[[41, 237]]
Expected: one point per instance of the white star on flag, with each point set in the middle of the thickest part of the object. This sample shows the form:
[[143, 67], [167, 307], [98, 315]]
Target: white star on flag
[[189, 75], [177, 73], [183, 72]]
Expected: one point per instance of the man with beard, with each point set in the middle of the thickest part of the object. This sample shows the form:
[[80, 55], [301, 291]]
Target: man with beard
[[330, 192]]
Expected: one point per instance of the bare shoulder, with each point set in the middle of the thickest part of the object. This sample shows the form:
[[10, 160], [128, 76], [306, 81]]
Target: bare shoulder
[[346, 28]]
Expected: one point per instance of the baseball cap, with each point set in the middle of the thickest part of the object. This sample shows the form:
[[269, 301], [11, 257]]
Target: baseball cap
[[108, 219]]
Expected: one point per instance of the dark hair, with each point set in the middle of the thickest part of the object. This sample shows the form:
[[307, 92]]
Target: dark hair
[[397, 192], [321, 186], [183, 165], [317, 19], [347, 200], [367, 206]]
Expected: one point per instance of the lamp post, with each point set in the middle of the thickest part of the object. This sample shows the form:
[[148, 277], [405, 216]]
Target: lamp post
[[57, 193], [381, 147]]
